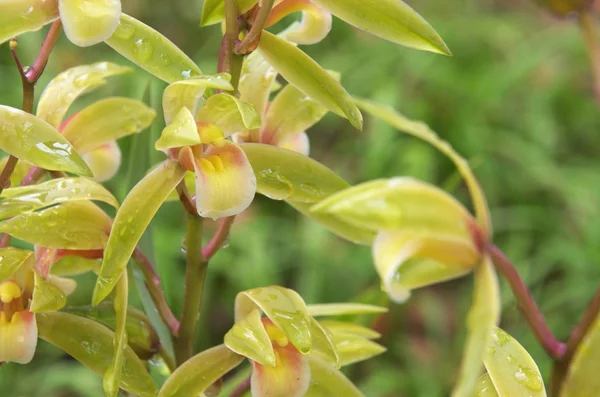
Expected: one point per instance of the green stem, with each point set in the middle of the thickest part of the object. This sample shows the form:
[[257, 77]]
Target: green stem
[[229, 61], [195, 275]]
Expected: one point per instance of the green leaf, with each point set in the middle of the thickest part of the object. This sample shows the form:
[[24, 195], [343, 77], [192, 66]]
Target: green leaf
[[187, 93], [284, 307], [181, 132], [511, 368], [228, 113], [151, 51], [422, 131], [213, 11], [91, 128], [131, 221], [481, 320], [342, 327], [71, 225], [60, 93], [89, 22], [112, 376], [357, 235], [485, 387], [249, 338], [326, 381], [282, 174], [35, 141], [20, 16], [199, 372], [353, 348], [309, 77], [47, 297], [92, 344], [399, 203], [344, 309], [11, 260], [140, 335], [19, 200], [392, 20], [582, 378]]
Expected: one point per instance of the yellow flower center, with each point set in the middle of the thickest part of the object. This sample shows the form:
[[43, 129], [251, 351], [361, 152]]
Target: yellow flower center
[[11, 301], [212, 163], [275, 334], [209, 132]]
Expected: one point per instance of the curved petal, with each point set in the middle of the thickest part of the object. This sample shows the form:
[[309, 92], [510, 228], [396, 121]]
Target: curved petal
[[344, 309], [20, 16], [485, 387], [290, 377], [228, 113], [256, 81], [344, 328], [11, 260], [327, 381], [89, 22], [225, 182], [47, 297], [18, 337], [60, 93], [299, 143], [315, 24], [181, 132], [353, 348], [104, 161], [249, 338], [323, 343], [284, 307], [91, 128], [187, 93]]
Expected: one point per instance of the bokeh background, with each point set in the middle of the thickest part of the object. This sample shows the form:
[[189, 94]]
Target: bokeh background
[[515, 100]]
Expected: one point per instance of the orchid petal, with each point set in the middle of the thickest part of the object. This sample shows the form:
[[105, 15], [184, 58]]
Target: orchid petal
[[47, 297], [60, 93], [343, 328], [89, 22], [485, 387], [20, 16], [290, 377], [91, 128], [282, 306], [228, 113], [407, 261], [187, 93], [299, 143], [344, 309], [11, 259], [72, 264], [327, 381], [181, 132], [323, 343], [353, 348], [66, 285], [249, 338], [314, 26], [256, 81], [225, 182], [18, 337], [104, 161]]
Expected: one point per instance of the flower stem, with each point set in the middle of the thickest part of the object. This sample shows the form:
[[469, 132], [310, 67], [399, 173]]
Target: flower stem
[[252, 40], [36, 70], [195, 275], [156, 292], [186, 200], [529, 308], [219, 238], [241, 388], [229, 61], [588, 28]]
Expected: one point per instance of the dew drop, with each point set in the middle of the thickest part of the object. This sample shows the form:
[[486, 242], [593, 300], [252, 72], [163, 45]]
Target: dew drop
[[124, 31], [312, 189], [511, 359], [166, 60], [529, 378], [142, 50], [501, 337]]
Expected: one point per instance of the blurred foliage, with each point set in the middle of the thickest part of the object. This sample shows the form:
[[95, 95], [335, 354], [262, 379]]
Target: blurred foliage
[[516, 100]]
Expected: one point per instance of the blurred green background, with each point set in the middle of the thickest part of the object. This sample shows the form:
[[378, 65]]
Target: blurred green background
[[516, 100]]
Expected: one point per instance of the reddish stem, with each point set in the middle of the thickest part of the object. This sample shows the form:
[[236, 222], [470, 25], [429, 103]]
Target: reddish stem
[[251, 41], [36, 70], [529, 308], [241, 388], [156, 292], [219, 238]]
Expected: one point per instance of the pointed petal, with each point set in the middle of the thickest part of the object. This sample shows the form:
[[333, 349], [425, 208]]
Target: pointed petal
[[407, 261], [24, 199], [314, 26], [256, 81], [483, 316], [60, 93], [18, 337], [289, 378], [511, 368], [151, 51], [181, 132], [281, 305], [112, 376], [353, 348], [72, 225], [342, 327], [485, 387], [11, 259], [327, 381], [91, 128], [199, 372], [249, 338], [344, 309], [299, 143], [323, 343], [225, 182], [228, 113], [89, 22], [20, 16], [104, 161], [131, 221], [187, 93], [47, 297]]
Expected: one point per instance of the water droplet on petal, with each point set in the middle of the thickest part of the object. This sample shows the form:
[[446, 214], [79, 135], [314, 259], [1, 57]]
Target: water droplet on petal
[[530, 379], [142, 50]]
